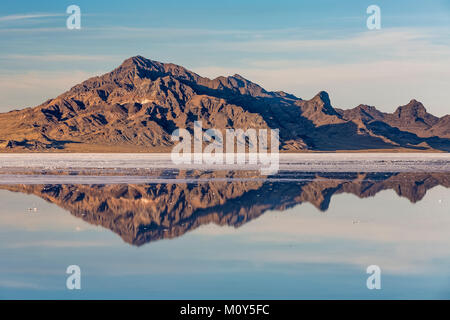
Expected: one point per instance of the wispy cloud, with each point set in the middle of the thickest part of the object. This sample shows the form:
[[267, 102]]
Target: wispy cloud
[[7, 283], [354, 67], [59, 57], [394, 41], [25, 16], [363, 68], [60, 244]]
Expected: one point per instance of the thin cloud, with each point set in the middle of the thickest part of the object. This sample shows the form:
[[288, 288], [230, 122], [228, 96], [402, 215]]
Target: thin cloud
[[15, 17], [60, 57]]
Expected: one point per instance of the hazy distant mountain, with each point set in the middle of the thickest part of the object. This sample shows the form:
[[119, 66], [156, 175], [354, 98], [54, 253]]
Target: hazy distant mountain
[[137, 106], [148, 212]]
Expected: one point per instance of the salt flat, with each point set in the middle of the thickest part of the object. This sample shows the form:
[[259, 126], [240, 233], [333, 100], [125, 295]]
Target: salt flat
[[304, 162]]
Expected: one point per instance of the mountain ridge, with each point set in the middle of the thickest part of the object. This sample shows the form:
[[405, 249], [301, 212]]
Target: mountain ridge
[[136, 107]]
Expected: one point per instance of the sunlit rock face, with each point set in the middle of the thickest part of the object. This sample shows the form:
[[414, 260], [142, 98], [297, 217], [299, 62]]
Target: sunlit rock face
[[137, 106]]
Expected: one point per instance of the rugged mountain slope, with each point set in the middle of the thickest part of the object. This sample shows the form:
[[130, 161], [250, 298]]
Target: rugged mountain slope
[[137, 106], [145, 213]]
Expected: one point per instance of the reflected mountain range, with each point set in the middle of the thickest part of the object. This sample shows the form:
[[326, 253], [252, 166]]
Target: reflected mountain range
[[142, 213]]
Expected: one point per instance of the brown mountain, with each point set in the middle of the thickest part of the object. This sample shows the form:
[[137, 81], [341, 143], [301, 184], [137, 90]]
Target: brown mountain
[[137, 106], [149, 212]]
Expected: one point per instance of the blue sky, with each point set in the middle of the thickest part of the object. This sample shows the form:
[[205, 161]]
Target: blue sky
[[298, 46]]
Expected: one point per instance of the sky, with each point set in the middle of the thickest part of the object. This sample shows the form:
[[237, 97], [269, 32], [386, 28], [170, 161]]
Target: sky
[[299, 253], [301, 47]]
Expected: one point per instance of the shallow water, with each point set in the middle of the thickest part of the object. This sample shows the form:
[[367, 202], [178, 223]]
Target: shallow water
[[227, 235]]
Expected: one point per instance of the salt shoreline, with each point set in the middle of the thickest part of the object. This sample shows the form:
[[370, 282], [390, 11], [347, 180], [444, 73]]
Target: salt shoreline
[[307, 162]]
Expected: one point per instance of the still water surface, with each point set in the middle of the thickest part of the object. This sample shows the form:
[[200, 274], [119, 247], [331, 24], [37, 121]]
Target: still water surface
[[294, 236]]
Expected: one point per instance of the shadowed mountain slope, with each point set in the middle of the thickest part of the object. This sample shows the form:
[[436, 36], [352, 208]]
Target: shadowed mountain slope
[[137, 106]]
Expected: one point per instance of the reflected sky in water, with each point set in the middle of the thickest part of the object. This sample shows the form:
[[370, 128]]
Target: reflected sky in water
[[296, 252]]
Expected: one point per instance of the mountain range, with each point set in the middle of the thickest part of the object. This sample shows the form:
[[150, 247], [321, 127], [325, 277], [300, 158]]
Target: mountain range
[[137, 106], [142, 213]]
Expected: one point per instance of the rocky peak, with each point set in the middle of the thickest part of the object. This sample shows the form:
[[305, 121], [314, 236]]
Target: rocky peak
[[322, 98], [362, 112], [413, 109], [414, 113], [321, 102], [244, 86], [139, 104]]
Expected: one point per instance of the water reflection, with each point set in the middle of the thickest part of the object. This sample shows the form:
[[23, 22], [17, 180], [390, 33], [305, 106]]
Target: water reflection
[[143, 213]]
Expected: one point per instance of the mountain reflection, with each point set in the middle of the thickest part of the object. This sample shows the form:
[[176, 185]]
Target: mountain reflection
[[142, 213]]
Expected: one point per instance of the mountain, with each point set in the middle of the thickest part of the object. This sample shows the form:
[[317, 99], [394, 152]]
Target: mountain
[[148, 212], [136, 107]]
